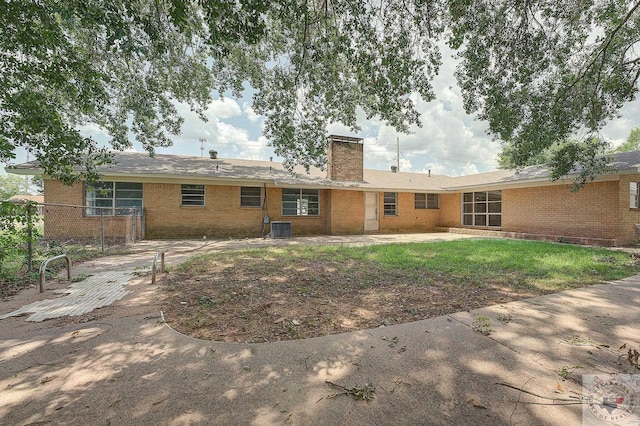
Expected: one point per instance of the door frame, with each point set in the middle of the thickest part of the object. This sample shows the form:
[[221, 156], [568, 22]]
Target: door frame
[[371, 212]]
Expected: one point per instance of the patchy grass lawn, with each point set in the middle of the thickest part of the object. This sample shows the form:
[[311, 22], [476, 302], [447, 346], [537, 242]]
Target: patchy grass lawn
[[288, 293]]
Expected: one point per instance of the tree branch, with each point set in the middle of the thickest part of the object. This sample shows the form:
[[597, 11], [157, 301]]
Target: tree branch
[[602, 51], [304, 42]]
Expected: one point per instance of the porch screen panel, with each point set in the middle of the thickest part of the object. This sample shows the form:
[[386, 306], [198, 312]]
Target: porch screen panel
[[482, 209]]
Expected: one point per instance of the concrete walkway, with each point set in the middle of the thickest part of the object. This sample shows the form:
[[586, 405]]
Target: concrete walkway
[[132, 369]]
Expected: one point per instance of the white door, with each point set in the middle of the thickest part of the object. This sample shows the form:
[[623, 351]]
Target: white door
[[370, 211]]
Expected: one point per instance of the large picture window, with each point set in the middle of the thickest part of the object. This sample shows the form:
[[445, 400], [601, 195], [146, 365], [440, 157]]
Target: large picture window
[[192, 195], [482, 209], [250, 196], [112, 198], [300, 202], [426, 201], [390, 206]]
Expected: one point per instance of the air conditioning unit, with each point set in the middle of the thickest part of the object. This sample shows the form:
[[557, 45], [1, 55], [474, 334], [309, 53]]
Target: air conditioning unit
[[280, 229]]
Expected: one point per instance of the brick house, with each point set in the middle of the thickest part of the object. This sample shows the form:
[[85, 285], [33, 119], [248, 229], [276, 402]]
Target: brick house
[[192, 197]]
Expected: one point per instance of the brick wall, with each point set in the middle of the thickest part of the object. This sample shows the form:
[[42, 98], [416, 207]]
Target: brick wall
[[56, 192], [222, 215], [450, 205], [346, 212], [599, 210], [408, 218], [629, 217], [592, 212], [345, 161]]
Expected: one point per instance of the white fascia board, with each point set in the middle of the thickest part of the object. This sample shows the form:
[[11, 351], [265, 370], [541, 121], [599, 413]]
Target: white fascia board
[[492, 186], [24, 172]]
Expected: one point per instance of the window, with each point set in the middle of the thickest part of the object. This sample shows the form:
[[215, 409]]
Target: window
[[634, 188], [300, 202], [390, 203], [250, 196], [482, 208], [192, 195], [426, 201], [112, 198]]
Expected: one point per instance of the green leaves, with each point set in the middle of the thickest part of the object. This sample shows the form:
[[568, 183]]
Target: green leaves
[[118, 65], [632, 143], [540, 73], [17, 227], [545, 72]]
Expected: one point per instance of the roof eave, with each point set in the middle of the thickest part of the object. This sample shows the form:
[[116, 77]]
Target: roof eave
[[526, 183]]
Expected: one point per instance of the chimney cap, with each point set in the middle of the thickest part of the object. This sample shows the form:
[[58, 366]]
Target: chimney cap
[[213, 154], [351, 139], [394, 169]]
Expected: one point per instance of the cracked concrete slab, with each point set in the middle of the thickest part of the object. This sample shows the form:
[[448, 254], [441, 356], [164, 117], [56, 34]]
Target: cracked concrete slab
[[95, 291]]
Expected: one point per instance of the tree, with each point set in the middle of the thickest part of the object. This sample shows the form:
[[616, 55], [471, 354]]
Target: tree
[[632, 143], [117, 64], [547, 71], [38, 184], [11, 185], [506, 158], [539, 72]]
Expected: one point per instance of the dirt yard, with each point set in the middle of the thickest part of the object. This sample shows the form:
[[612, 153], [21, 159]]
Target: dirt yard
[[258, 300]]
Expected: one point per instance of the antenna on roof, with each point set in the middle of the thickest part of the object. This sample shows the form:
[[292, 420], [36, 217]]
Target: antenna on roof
[[202, 141], [398, 153]]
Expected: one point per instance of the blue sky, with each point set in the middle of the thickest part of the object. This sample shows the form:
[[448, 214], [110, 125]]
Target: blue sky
[[450, 141]]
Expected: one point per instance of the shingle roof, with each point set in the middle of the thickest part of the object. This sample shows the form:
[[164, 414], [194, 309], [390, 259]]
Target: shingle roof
[[170, 168], [21, 198]]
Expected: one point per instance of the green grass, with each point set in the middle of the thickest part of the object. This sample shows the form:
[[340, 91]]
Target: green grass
[[517, 263], [254, 295]]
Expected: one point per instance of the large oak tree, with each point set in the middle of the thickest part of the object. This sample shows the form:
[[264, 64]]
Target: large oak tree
[[538, 71]]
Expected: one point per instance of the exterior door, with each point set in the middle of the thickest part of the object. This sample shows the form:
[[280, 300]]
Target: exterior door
[[371, 211]]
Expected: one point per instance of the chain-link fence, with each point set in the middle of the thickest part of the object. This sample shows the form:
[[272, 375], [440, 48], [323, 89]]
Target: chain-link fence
[[31, 232], [96, 226]]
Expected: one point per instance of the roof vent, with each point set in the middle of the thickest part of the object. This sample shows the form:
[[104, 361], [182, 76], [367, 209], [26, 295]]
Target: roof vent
[[213, 154], [394, 169]]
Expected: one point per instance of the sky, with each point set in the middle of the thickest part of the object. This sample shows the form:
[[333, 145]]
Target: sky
[[450, 142]]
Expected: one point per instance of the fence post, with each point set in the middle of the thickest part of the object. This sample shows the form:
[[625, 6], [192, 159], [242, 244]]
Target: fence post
[[142, 224], [134, 231], [102, 229], [30, 237]]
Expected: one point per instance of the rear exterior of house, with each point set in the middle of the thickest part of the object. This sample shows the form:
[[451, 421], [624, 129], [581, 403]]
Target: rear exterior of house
[[205, 204], [191, 197]]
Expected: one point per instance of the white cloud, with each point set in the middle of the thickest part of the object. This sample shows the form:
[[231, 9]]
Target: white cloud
[[229, 140], [251, 115], [617, 131], [223, 108]]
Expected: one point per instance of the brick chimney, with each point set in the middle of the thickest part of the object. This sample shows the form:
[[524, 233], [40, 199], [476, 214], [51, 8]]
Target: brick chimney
[[345, 158]]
